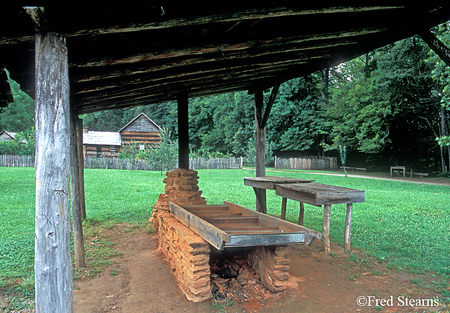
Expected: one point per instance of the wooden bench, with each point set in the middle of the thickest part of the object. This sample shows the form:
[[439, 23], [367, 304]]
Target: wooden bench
[[353, 168], [261, 184], [401, 168], [420, 174]]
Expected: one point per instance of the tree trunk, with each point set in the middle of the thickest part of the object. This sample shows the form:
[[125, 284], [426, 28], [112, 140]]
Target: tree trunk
[[444, 132], [53, 267], [325, 73], [324, 85]]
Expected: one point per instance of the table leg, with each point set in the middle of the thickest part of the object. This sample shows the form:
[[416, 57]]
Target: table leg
[[391, 170], [301, 214], [260, 200], [326, 228], [348, 226], [283, 208]]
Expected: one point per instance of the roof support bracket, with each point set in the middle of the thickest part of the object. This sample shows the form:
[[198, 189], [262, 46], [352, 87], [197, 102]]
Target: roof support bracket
[[436, 45], [269, 105]]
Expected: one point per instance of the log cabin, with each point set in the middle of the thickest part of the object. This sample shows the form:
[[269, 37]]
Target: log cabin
[[141, 129]]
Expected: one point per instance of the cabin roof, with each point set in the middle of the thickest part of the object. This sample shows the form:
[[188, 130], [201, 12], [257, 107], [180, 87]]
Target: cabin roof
[[101, 138], [130, 55], [7, 134], [143, 116]]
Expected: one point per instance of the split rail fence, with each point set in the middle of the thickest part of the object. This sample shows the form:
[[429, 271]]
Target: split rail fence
[[124, 164], [306, 163]]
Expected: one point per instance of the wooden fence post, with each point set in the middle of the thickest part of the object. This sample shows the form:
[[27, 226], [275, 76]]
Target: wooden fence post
[[53, 267]]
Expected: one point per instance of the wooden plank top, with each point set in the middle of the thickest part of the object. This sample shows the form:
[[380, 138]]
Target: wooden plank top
[[320, 194], [269, 182]]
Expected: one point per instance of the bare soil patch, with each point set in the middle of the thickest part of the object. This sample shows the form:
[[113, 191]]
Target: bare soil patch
[[140, 280]]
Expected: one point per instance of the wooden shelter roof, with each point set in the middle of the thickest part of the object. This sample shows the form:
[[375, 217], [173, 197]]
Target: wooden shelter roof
[[124, 56]]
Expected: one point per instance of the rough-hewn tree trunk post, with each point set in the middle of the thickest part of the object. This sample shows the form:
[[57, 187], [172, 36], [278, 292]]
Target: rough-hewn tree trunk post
[[77, 220], [183, 130], [260, 137], [53, 267], [261, 117]]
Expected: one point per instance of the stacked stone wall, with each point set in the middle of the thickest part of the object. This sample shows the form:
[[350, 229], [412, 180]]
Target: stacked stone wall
[[272, 265], [181, 188], [188, 255]]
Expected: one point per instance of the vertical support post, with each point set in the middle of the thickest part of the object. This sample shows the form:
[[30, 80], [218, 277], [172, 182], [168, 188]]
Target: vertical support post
[[348, 226], [283, 208], [77, 219], [53, 266], [260, 135], [326, 228], [260, 138], [301, 215], [183, 130], [79, 130]]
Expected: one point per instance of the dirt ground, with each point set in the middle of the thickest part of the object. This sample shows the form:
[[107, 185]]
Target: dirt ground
[[141, 281]]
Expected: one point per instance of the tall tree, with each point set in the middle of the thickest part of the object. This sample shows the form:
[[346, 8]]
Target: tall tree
[[385, 104]]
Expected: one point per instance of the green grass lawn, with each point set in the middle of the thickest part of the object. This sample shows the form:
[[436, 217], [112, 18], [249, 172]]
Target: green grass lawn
[[404, 224]]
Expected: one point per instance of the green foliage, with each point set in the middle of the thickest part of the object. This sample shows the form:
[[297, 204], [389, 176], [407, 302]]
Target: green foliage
[[163, 155], [129, 150], [221, 123], [444, 140], [250, 155], [23, 144], [18, 116]]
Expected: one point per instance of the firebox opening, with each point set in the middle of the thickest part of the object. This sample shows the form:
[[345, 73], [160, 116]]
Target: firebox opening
[[235, 277]]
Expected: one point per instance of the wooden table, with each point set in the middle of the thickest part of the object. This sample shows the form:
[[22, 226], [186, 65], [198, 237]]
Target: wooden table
[[403, 168], [326, 195], [261, 184]]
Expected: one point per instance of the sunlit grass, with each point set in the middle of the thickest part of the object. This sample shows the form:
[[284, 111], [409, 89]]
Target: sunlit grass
[[404, 224]]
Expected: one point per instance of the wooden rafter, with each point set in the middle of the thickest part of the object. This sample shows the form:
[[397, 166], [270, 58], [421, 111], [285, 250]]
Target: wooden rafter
[[127, 56]]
